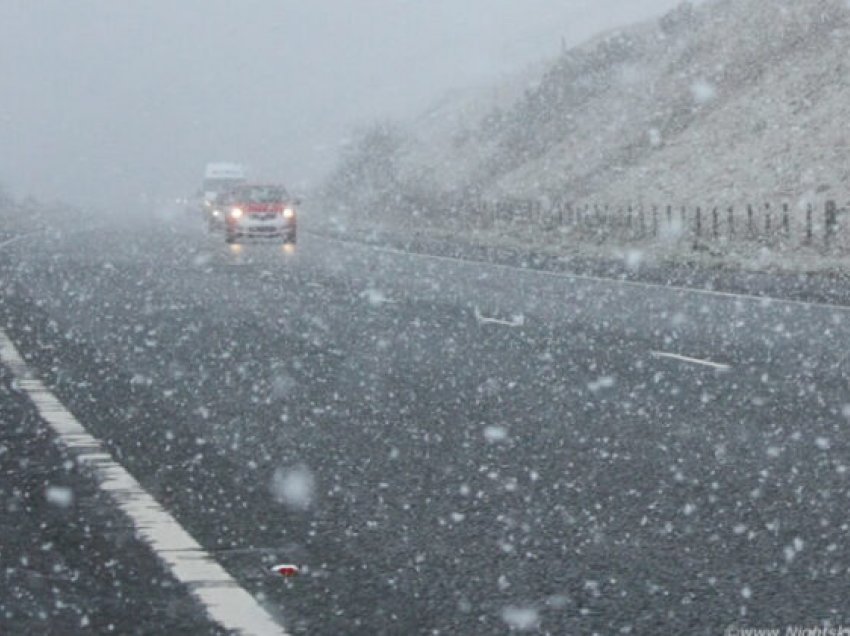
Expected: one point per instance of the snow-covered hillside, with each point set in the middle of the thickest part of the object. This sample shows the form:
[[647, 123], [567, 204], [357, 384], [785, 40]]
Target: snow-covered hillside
[[725, 101]]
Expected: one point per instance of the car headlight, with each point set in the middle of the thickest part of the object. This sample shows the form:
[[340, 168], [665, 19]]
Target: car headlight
[[236, 213], [216, 213], [288, 213]]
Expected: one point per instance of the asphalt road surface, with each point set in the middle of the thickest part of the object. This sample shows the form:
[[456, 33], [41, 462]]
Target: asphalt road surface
[[445, 447]]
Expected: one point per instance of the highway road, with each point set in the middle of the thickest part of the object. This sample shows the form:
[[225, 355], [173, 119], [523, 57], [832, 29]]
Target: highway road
[[443, 446]]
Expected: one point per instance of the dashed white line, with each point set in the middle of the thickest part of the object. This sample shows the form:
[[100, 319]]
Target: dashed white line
[[15, 239], [223, 599], [515, 321], [706, 363]]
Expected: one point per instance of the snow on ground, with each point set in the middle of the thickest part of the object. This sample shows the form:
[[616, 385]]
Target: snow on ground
[[785, 137], [439, 152], [717, 104], [751, 103]]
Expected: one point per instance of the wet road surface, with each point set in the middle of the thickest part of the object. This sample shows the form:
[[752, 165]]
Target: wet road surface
[[447, 446]]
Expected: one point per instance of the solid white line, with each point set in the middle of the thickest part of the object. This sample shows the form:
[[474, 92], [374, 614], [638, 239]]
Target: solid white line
[[676, 356], [224, 600], [583, 277]]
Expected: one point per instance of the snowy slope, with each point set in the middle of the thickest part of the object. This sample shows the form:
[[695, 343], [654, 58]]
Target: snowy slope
[[725, 101], [749, 103], [442, 138]]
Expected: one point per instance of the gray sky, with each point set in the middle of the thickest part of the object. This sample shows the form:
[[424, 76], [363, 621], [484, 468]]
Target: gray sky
[[105, 102]]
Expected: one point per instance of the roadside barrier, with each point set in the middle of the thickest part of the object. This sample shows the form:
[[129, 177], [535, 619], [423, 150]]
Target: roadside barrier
[[822, 225]]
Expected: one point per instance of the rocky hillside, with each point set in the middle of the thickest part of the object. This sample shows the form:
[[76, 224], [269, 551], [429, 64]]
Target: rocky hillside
[[725, 101]]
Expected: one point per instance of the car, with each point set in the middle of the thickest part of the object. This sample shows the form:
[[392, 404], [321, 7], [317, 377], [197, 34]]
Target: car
[[256, 211]]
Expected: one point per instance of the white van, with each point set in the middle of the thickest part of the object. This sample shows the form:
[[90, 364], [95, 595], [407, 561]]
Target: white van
[[221, 177]]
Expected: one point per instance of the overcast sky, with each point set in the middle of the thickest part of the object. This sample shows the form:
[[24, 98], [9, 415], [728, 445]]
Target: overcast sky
[[104, 102]]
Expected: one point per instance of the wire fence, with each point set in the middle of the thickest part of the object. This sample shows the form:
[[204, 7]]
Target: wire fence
[[819, 225]]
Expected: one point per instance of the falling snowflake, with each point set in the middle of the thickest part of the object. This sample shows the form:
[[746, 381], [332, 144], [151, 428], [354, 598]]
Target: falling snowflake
[[495, 434], [703, 92], [60, 496], [522, 619], [294, 487]]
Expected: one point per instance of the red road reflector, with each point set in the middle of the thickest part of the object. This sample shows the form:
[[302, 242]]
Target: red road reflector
[[286, 570]]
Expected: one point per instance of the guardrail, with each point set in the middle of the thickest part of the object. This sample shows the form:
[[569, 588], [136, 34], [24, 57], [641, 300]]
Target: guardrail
[[823, 225]]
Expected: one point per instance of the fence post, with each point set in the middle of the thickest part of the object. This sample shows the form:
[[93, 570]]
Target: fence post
[[831, 221], [731, 221], [750, 229], [699, 221], [767, 220], [629, 217], [684, 217], [642, 221], [715, 223], [669, 215], [809, 229], [654, 221], [786, 224]]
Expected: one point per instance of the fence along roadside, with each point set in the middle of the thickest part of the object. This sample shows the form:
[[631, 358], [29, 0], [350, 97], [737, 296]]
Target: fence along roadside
[[823, 226]]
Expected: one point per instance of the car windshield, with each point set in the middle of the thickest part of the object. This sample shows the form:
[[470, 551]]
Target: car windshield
[[425, 317]]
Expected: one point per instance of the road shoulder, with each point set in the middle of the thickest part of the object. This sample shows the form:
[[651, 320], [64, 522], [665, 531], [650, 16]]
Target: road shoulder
[[633, 265], [70, 561]]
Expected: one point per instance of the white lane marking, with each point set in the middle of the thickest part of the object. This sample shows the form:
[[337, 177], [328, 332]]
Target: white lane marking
[[375, 297], [516, 321], [45, 229], [680, 358], [583, 277], [224, 600], [15, 239]]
